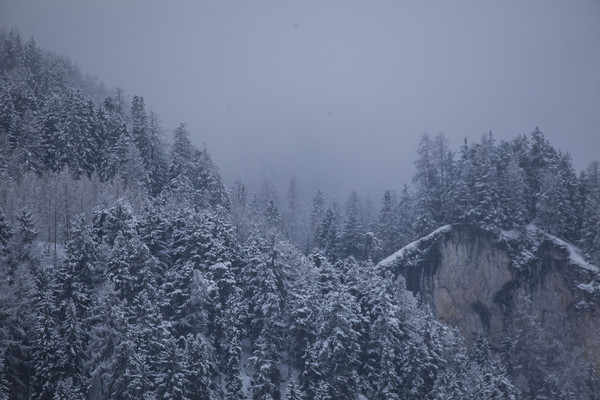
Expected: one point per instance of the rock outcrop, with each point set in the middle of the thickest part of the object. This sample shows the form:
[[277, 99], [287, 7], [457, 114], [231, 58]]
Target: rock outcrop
[[477, 281]]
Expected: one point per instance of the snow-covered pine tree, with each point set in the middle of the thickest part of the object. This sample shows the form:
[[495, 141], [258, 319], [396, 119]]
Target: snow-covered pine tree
[[172, 371], [429, 166], [5, 234], [337, 344], [273, 215], [327, 234], [590, 238], [234, 389], [352, 239], [45, 347], [489, 377], [387, 224], [114, 141], [71, 354], [513, 194], [486, 198], [265, 380], [317, 211], [4, 391], [292, 392], [540, 157]]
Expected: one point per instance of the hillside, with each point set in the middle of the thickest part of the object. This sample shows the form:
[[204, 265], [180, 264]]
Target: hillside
[[511, 287], [130, 269]]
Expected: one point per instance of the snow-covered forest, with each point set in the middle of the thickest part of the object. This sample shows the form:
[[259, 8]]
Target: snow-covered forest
[[131, 270]]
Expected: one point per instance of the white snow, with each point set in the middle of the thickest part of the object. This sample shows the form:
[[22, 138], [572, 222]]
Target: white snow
[[245, 368], [574, 255], [588, 287], [400, 253], [510, 235]]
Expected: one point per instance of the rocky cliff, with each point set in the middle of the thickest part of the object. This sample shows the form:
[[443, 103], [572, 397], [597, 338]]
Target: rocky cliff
[[478, 281]]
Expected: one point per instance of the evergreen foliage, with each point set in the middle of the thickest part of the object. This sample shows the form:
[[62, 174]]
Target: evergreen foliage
[[163, 287]]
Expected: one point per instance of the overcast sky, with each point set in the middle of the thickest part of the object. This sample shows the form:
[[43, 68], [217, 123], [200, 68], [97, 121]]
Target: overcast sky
[[338, 92]]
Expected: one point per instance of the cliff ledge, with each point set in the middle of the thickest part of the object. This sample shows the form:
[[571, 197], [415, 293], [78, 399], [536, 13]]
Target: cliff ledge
[[477, 281]]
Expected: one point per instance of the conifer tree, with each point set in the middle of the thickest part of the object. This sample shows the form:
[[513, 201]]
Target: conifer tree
[[324, 392], [46, 348], [590, 239], [108, 328], [327, 234], [311, 373], [272, 215], [299, 314], [115, 140], [292, 392], [337, 344], [130, 375], [72, 355], [200, 369], [76, 276], [265, 380], [17, 303], [318, 210], [5, 234], [489, 376], [139, 128], [172, 380], [405, 220], [487, 210], [352, 239], [4, 392], [540, 157], [513, 195], [233, 354], [427, 177], [387, 224], [459, 197]]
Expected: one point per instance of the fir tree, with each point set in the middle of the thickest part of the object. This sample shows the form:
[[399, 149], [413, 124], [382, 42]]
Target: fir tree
[[337, 344], [265, 380], [233, 354], [387, 224], [5, 234], [200, 369], [46, 349], [327, 234], [351, 242], [317, 211], [4, 392], [172, 379], [272, 215], [292, 392]]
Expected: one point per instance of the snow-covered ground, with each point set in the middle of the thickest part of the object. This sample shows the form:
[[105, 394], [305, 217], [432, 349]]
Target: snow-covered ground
[[574, 253], [409, 247]]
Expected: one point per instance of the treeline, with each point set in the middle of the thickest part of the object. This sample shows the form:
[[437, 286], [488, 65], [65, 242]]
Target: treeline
[[498, 185], [505, 185], [129, 271]]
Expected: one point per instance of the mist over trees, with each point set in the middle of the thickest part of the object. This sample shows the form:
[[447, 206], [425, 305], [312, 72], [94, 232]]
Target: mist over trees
[[131, 270]]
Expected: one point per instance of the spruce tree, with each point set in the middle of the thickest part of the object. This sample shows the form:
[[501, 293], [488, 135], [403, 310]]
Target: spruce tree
[[46, 349], [265, 380], [172, 377], [351, 242], [387, 224], [200, 369], [4, 391], [292, 392], [327, 234]]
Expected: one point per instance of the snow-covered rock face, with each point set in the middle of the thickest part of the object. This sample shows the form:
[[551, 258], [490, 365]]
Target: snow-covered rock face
[[476, 281]]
